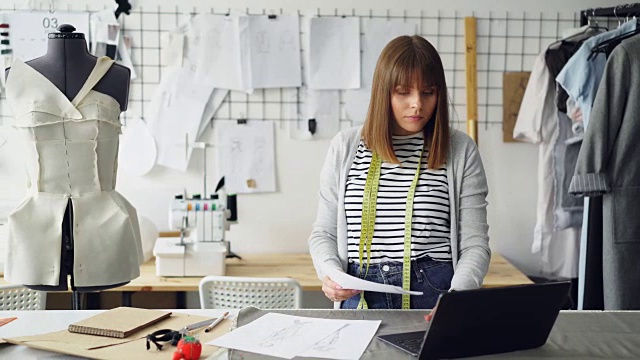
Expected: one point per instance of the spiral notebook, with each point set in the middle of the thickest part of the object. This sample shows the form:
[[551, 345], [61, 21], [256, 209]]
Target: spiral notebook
[[119, 322]]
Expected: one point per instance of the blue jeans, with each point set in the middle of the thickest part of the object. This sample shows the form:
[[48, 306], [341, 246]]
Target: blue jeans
[[427, 275]]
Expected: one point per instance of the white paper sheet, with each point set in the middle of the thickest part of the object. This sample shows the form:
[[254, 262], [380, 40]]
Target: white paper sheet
[[213, 45], [216, 99], [334, 53], [29, 30], [321, 105], [377, 34], [137, 154], [124, 59], [175, 113], [270, 51], [349, 342], [105, 34], [172, 48], [247, 156], [351, 282], [279, 335]]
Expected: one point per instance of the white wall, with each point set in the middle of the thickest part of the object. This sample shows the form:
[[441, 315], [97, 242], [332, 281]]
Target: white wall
[[281, 222]]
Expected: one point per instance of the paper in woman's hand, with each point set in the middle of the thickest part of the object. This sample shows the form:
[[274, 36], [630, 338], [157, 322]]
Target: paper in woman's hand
[[351, 282]]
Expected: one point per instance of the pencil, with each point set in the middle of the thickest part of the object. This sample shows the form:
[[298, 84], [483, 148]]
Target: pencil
[[216, 322]]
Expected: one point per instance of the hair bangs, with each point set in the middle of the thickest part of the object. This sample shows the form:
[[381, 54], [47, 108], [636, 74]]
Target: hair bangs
[[413, 67]]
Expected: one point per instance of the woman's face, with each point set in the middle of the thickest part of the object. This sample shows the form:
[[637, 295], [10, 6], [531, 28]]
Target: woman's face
[[412, 107]]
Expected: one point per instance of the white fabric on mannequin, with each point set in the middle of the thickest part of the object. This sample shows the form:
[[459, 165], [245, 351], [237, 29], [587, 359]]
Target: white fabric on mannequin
[[71, 149]]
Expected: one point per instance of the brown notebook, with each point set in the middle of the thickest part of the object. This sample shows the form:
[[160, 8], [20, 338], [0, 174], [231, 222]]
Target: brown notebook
[[119, 322]]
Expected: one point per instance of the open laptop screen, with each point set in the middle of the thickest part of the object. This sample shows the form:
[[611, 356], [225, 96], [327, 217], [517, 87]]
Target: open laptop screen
[[488, 321]]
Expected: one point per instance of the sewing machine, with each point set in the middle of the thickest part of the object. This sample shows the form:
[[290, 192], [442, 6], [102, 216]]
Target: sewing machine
[[201, 248]]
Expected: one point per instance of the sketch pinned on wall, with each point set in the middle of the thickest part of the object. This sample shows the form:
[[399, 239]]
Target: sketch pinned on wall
[[262, 40], [269, 65], [287, 41], [247, 156], [377, 33], [105, 34], [334, 53], [321, 106], [175, 113], [211, 45], [216, 99], [30, 30]]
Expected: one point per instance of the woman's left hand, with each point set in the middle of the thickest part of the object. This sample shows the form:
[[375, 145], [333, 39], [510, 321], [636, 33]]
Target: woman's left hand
[[335, 292]]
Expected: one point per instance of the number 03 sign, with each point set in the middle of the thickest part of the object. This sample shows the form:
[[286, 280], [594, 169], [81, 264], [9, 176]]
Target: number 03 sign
[[28, 30]]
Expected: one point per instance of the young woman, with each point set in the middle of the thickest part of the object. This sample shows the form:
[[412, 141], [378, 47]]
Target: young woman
[[403, 198]]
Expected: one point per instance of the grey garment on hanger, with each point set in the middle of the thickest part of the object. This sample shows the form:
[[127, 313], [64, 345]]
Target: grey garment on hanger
[[608, 165], [568, 208]]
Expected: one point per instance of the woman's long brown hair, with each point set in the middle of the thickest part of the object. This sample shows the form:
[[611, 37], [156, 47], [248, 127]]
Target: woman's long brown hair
[[404, 61]]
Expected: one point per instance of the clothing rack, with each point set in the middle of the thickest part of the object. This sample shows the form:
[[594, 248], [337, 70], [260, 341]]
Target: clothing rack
[[619, 11]]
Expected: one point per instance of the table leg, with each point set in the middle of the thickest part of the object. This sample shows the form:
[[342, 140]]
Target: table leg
[[181, 299], [127, 298]]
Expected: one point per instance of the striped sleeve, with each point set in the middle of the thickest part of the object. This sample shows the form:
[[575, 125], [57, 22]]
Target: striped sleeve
[[593, 184]]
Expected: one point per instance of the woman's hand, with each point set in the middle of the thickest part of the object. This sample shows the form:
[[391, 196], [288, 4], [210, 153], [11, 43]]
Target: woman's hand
[[335, 292]]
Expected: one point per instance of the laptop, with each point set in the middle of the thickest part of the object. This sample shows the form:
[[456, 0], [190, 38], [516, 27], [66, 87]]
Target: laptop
[[486, 321]]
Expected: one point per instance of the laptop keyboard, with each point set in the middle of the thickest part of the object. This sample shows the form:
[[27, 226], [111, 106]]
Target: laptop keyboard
[[413, 345]]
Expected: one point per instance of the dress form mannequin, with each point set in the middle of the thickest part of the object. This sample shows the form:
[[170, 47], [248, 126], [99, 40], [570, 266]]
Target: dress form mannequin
[[67, 65]]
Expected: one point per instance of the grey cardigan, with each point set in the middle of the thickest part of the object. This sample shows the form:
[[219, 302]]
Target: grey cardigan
[[467, 199]]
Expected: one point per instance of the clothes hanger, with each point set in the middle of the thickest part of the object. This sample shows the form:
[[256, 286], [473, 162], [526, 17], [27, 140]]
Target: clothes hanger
[[608, 45], [591, 26]]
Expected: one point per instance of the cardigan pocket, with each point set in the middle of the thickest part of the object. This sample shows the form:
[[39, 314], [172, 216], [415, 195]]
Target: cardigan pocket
[[626, 226]]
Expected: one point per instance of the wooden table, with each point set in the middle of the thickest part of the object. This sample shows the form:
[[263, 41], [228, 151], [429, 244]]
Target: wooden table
[[295, 266]]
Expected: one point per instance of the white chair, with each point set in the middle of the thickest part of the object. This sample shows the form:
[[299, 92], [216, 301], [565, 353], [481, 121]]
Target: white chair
[[231, 292], [17, 297]]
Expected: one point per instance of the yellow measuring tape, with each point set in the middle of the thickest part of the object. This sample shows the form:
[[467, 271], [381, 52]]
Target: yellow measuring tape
[[369, 202]]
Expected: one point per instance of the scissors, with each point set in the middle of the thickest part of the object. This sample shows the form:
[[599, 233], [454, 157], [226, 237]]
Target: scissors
[[174, 335]]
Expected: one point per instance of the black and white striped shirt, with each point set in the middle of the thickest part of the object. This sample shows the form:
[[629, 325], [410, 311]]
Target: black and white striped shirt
[[430, 222]]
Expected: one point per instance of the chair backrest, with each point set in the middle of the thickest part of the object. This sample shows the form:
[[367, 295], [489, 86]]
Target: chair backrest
[[231, 292], [17, 297]]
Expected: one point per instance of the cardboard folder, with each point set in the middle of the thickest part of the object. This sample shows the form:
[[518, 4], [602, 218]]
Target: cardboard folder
[[119, 322], [133, 347]]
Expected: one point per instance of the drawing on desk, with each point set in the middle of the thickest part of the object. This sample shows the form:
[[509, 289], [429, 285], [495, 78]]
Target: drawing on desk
[[280, 335], [349, 342], [328, 343]]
